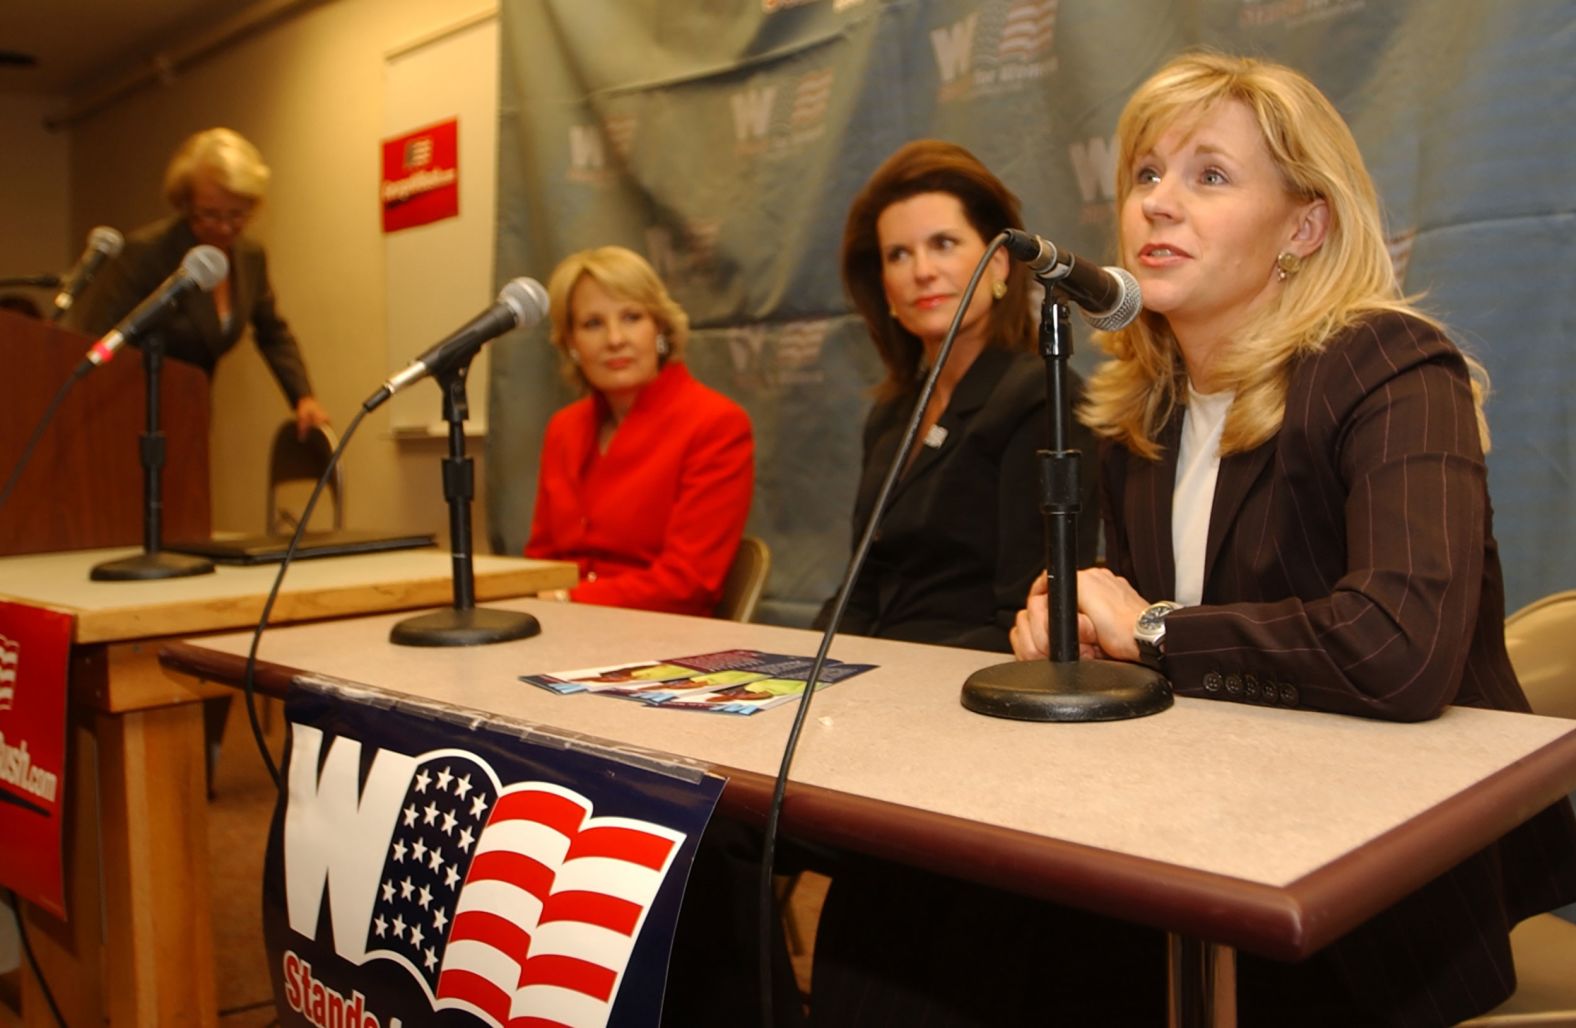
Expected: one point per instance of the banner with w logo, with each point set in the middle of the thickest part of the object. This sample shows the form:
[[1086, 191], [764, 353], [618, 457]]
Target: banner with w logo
[[423, 870]]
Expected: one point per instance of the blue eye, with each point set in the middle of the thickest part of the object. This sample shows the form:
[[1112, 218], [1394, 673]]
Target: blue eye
[[1146, 175], [1213, 177]]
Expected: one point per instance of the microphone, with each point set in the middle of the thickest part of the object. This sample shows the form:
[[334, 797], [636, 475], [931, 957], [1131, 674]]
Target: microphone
[[203, 267], [1109, 296], [521, 303], [103, 243]]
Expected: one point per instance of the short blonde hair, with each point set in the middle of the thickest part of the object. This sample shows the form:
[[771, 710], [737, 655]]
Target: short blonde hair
[[624, 274], [226, 155], [1131, 398]]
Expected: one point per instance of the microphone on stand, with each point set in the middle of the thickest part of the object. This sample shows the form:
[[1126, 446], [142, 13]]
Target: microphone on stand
[[1062, 687], [203, 267], [103, 243], [522, 303]]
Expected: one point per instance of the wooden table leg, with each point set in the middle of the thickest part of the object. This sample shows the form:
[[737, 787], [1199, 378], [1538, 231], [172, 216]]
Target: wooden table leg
[[1201, 983], [159, 965]]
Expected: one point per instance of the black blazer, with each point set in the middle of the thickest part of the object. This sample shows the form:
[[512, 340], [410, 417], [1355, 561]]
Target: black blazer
[[192, 332], [1351, 567], [963, 535]]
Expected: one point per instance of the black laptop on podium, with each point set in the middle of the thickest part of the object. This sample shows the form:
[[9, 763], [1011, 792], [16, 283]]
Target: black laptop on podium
[[270, 549]]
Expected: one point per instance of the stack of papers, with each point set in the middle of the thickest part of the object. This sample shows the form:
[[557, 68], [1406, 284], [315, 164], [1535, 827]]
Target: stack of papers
[[726, 682]]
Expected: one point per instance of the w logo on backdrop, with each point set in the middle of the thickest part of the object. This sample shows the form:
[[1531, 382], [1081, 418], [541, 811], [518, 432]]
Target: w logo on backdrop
[[776, 118], [512, 901]]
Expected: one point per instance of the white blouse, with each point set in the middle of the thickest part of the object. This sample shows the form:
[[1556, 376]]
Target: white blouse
[[1198, 465]]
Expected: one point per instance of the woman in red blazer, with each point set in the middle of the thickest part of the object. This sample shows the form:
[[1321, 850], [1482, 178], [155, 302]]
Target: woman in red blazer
[[645, 482]]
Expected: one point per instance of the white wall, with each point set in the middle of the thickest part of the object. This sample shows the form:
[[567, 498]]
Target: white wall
[[309, 93], [35, 232]]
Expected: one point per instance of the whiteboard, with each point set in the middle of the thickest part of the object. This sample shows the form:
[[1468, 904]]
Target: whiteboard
[[439, 276]]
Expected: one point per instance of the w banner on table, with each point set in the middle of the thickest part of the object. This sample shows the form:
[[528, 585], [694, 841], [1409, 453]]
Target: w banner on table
[[428, 870], [35, 656]]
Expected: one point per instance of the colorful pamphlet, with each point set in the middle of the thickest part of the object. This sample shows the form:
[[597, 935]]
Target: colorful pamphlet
[[728, 681]]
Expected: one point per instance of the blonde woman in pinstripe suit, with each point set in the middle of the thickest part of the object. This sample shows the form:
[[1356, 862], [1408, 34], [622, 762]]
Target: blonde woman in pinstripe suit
[[1293, 459]]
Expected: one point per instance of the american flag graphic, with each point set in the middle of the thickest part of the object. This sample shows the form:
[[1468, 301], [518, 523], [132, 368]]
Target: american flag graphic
[[514, 903], [10, 657], [1030, 27], [812, 97], [418, 152]]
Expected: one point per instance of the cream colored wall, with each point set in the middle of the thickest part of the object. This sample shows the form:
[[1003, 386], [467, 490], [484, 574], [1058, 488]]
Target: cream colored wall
[[34, 202], [309, 93]]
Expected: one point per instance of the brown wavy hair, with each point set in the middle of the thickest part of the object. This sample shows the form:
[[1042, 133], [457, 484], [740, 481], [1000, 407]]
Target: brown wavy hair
[[929, 166]]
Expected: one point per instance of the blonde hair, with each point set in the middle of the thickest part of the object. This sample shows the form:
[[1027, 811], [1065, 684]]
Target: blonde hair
[[624, 274], [226, 155], [1131, 398]]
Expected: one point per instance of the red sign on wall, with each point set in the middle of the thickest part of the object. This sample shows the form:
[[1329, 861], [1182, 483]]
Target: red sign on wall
[[35, 651], [421, 176]]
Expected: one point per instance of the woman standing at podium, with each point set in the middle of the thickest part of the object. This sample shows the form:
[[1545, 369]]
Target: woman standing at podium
[[215, 182], [645, 482]]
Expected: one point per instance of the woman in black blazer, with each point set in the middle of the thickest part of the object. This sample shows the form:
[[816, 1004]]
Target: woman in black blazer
[[214, 182], [963, 536]]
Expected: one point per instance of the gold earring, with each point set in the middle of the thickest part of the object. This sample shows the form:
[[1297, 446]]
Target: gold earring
[[892, 311], [1287, 264], [574, 356], [998, 288]]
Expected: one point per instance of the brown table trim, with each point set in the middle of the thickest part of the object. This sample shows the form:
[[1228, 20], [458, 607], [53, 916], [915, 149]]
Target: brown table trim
[[1287, 923]]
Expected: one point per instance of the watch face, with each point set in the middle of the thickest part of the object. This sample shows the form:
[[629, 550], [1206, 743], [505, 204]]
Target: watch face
[[1152, 621]]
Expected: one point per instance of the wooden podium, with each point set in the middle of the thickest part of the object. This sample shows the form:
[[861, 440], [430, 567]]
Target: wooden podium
[[82, 488]]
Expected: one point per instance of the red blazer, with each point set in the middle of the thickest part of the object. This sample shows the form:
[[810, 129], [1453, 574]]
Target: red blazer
[[1350, 566], [655, 521]]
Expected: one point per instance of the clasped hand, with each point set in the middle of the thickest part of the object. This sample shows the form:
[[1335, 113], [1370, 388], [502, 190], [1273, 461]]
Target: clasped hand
[[1108, 609]]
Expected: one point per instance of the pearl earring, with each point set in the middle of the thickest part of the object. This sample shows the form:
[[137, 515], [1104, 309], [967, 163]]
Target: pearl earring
[[662, 345]]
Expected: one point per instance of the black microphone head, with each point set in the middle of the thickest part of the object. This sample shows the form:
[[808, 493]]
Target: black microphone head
[[106, 241], [1126, 307], [526, 298], [205, 265]]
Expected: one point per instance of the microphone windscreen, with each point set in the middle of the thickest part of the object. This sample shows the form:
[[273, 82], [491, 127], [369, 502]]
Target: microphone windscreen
[[106, 241], [207, 266], [527, 298], [1126, 308]]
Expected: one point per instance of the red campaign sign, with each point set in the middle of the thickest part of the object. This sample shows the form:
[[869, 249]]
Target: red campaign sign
[[421, 176], [35, 652]]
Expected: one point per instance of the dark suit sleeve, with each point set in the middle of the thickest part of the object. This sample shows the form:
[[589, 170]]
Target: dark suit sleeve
[[1382, 433], [276, 342]]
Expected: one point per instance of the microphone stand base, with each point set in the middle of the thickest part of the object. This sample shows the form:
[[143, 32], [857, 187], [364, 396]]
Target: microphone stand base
[[148, 566], [475, 626], [1074, 690]]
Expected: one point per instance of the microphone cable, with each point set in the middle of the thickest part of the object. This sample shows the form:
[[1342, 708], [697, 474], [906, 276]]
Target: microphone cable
[[38, 430], [32, 961], [766, 896], [249, 677]]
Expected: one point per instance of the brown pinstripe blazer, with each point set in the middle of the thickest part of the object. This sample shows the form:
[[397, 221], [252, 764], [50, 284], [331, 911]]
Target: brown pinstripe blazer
[[1351, 567]]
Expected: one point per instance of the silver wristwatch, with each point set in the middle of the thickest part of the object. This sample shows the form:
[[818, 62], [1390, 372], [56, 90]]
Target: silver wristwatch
[[1150, 632]]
